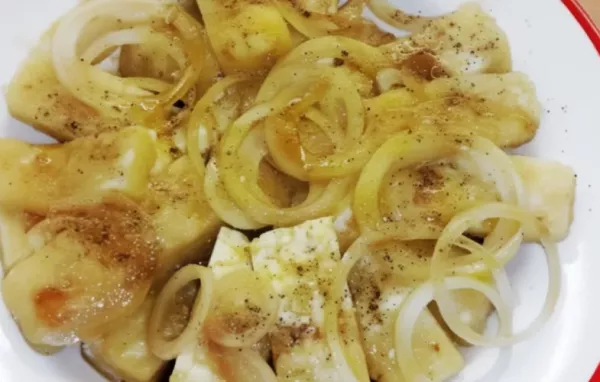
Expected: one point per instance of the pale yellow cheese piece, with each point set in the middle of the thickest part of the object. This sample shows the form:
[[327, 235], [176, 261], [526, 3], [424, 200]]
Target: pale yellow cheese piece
[[301, 262]]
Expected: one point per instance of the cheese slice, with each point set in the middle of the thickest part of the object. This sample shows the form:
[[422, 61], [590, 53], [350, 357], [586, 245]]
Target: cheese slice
[[124, 351], [245, 35], [81, 171], [301, 262], [484, 47], [434, 193], [208, 362], [181, 217], [14, 243], [379, 283], [550, 190], [36, 97]]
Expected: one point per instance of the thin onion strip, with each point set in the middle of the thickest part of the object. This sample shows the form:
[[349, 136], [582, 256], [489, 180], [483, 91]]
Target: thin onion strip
[[337, 292], [169, 349], [246, 193], [219, 200], [112, 94], [418, 300], [403, 150], [465, 332]]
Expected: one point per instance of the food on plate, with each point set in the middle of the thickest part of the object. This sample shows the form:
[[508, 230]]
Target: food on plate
[[379, 283], [235, 346], [316, 317], [500, 107], [123, 353], [464, 41], [273, 190], [245, 35], [116, 206], [84, 169], [38, 98]]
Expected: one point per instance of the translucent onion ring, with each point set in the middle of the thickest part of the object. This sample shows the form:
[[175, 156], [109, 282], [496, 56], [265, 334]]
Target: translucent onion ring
[[89, 83], [246, 193], [65, 50], [169, 349], [136, 35], [365, 58], [256, 298], [201, 130], [351, 155], [333, 132], [464, 220], [486, 161], [405, 149], [219, 201], [493, 165], [461, 223], [248, 365], [466, 333], [251, 153], [316, 26], [202, 137], [504, 246], [395, 17], [504, 249], [417, 301], [339, 87], [489, 163], [337, 292], [153, 85]]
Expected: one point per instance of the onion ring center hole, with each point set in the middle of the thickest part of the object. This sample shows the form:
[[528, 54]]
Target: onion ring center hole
[[179, 309], [284, 191]]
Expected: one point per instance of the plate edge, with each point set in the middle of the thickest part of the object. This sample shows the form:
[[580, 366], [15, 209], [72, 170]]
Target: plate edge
[[588, 25], [593, 33]]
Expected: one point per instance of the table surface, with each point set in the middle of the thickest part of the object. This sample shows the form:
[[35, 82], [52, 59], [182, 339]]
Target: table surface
[[593, 8]]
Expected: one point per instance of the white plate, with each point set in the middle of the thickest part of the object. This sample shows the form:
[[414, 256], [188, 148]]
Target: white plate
[[547, 44]]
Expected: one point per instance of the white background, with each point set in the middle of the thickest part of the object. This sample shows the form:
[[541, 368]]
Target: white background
[[550, 47]]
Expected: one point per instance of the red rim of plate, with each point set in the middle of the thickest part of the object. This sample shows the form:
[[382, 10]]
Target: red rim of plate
[[596, 376], [593, 33]]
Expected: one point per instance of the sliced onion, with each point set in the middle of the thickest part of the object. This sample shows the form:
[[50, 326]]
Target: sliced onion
[[410, 311], [283, 141], [405, 149], [464, 220], [219, 200], [395, 17], [202, 130], [417, 301], [368, 59], [170, 349], [247, 365], [333, 305], [489, 163], [462, 330], [244, 310], [116, 96], [315, 26], [240, 175]]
